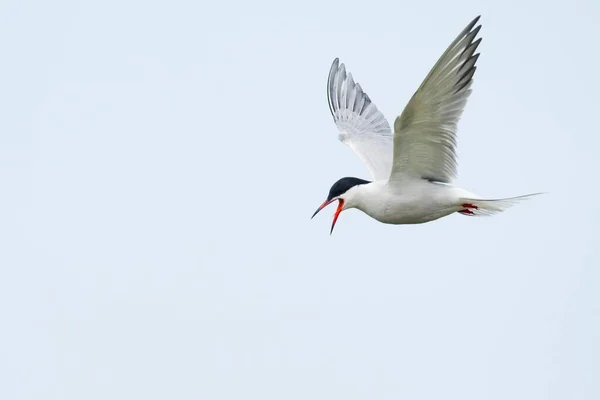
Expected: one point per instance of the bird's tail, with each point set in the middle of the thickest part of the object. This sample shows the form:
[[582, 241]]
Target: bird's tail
[[484, 207]]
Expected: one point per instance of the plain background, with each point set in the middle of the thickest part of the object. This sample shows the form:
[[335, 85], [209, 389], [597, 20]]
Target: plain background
[[159, 163]]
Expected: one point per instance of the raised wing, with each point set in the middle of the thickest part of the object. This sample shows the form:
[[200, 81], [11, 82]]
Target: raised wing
[[425, 132], [361, 125]]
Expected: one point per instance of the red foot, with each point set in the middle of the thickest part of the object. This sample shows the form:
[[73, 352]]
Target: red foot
[[466, 211], [469, 205]]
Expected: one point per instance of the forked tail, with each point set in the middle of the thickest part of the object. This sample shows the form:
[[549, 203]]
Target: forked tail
[[484, 207]]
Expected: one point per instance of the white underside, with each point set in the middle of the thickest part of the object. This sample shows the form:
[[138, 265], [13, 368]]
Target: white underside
[[416, 201]]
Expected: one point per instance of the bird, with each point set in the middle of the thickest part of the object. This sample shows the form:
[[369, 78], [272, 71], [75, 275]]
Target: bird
[[412, 169]]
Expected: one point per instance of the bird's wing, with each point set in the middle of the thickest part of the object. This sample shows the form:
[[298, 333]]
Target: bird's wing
[[362, 126], [425, 132]]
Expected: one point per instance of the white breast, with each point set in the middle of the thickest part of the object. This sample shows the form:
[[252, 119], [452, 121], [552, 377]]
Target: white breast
[[413, 203]]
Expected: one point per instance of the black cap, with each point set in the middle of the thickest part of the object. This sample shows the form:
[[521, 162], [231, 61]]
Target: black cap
[[343, 185]]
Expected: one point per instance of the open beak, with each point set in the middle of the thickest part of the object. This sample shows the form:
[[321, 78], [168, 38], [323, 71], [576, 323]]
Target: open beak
[[337, 211]]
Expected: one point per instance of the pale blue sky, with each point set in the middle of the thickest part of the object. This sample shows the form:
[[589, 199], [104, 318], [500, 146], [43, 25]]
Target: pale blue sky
[[159, 163]]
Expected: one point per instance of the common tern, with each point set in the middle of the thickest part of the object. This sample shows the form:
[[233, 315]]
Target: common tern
[[413, 168]]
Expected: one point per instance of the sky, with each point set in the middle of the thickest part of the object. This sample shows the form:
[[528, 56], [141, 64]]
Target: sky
[[160, 161]]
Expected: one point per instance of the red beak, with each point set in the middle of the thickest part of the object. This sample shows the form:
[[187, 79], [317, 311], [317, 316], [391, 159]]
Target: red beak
[[337, 211]]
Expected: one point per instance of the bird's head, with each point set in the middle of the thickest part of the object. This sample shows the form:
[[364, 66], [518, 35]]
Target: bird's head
[[343, 191]]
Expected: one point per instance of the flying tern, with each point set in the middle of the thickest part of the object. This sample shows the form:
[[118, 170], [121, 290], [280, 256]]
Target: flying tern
[[413, 168]]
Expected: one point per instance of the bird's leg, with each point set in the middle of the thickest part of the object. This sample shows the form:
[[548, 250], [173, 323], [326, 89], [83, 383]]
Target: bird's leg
[[466, 209]]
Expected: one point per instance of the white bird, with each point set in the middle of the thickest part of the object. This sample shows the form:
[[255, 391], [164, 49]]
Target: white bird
[[412, 169]]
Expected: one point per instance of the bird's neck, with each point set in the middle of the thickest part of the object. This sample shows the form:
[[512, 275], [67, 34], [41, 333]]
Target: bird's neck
[[363, 196]]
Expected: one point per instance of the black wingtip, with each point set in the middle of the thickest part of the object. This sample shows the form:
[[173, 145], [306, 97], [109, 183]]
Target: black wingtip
[[335, 65], [472, 28], [469, 29]]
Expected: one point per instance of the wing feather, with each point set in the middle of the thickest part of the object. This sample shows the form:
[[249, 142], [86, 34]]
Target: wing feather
[[361, 125], [425, 132]]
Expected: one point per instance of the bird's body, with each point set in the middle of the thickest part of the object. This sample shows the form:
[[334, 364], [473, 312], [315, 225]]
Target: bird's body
[[414, 166], [416, 202]]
